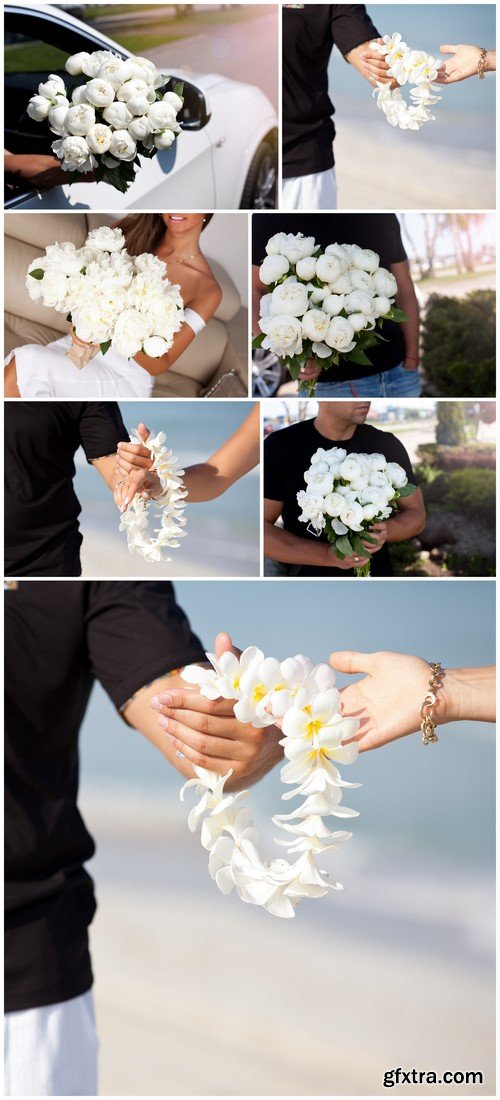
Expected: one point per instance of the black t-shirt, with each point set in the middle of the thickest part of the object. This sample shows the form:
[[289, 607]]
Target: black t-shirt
[[60, 637], [309, 34], [42, 536], [380, 232], [287, 455]]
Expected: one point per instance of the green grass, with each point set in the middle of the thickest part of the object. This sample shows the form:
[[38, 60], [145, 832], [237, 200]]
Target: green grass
[[444, 278], [34, 57]]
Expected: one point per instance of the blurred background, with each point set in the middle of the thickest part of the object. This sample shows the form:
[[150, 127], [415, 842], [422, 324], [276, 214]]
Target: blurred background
[[222, 535], [236, 40], [449, 163], [452, 259], [451, 445], [197, 993]]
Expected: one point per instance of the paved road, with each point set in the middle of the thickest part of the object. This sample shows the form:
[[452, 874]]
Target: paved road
[[242, 51]]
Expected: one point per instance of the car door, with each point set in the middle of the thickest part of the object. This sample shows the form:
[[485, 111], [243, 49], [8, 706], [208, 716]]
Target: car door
[[37, 43]]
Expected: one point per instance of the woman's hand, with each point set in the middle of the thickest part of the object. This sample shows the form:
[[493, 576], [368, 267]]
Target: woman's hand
[[144, 482], [387, 701], [134, 474], [80, 343], [207, 734], [463, 64]]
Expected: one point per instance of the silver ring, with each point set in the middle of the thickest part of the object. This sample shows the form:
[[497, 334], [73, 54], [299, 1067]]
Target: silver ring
[[122, 482], [179, 754]]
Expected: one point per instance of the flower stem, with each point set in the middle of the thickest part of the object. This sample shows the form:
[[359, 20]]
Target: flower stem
[[364, 570]]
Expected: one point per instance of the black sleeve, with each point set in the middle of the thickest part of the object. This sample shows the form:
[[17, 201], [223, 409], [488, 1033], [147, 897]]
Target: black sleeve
[[395, 452], [275, 465], [351, 26], [264, 226], [136, 632], [101, 428], [396, 247]]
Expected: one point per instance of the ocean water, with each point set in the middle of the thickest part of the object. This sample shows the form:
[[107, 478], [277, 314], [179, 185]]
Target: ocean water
[[228, 526], [465, 117]]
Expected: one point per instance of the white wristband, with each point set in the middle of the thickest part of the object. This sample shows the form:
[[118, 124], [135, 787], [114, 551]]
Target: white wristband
[[193, 319]]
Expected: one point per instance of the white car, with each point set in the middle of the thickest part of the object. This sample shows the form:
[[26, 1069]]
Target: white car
[[225, 157]]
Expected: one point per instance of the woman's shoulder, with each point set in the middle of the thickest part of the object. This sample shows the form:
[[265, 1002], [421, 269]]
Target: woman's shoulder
[[207, 284]]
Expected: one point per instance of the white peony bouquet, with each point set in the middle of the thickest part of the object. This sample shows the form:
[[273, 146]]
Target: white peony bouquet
[[111, 115], [317, 738], [111, 299], [346, 494], [322, 306], [407, 67]]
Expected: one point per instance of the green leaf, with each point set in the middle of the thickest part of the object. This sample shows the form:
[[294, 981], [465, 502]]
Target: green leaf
[[179, 88], [344, 546], [37, 273], [396, 315], [357, 544], [358, 356], [294, 367], [407, 490], [257, 341], [105, 346], [336, 552]]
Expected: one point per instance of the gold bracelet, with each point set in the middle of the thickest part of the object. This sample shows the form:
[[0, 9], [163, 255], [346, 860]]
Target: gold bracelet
[[428, 726], [481, 63]]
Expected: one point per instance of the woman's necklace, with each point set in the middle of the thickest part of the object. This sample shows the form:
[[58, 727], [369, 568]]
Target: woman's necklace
[[182, 259]]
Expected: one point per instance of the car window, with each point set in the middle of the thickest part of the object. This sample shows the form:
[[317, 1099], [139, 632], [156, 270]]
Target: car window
[[35, 45]]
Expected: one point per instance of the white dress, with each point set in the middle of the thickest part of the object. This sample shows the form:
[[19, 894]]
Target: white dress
[[45, 371]]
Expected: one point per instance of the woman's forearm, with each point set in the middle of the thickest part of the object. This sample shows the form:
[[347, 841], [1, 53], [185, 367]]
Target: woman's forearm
[[470, 694], [239, 454]]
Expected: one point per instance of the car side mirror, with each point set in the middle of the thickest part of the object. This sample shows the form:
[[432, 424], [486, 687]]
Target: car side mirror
[[194, 114]]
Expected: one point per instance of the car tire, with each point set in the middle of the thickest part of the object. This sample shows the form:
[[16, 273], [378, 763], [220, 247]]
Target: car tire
[[259, 192]]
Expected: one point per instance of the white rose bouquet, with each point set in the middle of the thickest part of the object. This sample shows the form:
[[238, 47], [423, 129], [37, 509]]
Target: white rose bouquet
[[322, 306], [111, 299], [111, 116], [346, 494]]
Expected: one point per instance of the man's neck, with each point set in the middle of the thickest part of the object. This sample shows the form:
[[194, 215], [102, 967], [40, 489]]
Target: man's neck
[[333, 427]]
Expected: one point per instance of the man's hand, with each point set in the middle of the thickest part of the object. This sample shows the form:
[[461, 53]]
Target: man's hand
[[310, 371], [411, 362], [38, 171], [378, 531], [370, 64], [208, 735], [133, 470]]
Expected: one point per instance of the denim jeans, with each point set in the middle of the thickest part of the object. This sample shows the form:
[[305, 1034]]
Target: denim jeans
[[396, 382]]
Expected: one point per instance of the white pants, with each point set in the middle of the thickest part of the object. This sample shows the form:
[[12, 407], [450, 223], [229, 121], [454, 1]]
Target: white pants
[[315, 192], [52, 1051]]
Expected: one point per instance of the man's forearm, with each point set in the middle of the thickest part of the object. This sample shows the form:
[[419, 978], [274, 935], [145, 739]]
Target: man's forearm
[[281, 545], [405, 525], [408, 302]]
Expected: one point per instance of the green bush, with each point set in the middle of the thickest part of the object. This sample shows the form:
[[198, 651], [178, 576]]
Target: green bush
[[470, 565], [465, 492], [459, 344]]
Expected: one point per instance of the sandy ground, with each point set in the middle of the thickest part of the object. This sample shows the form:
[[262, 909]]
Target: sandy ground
[[197, 994], [102, 556], [407, 177]]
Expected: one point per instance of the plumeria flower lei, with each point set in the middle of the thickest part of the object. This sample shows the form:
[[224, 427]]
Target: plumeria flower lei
[[316, 739], [407, 67], [171, 504]]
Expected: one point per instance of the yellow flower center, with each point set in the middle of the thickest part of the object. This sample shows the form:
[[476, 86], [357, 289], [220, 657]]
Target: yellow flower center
[[312, 728], [259, 692]]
